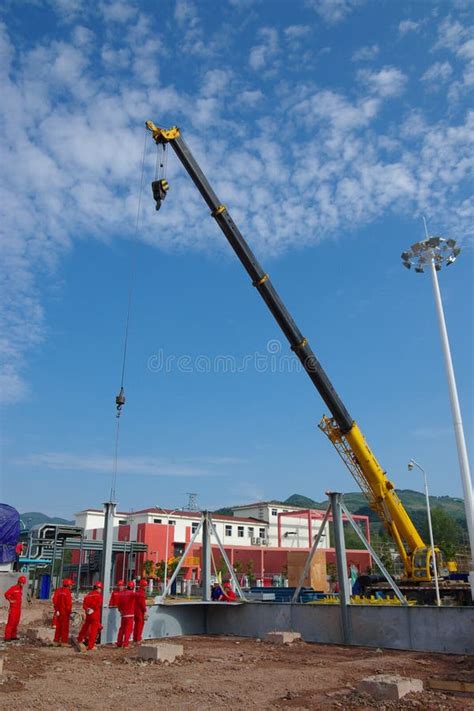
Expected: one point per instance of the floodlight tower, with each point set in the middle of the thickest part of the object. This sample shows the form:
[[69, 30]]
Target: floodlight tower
[[432, 253]]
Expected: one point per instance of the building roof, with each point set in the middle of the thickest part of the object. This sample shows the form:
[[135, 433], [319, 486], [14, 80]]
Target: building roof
[[178, 513], [258, 504], [196, 515], [101, 511]]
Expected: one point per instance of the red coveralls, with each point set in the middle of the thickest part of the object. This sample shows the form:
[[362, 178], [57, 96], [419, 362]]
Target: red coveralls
[[140, 612], [62, 601], [92, 606], [13, 595], [126, 608], [114, 598], [229, 594]]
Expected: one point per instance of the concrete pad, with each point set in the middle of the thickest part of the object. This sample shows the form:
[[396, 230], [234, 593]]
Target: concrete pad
[[282, 637], [389, 687], [41, 634], [160, 652]]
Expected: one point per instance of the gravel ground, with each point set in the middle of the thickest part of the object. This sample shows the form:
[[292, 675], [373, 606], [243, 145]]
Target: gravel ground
[[216, 671]]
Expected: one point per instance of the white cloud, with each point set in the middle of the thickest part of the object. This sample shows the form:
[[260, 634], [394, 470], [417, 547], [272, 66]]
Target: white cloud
[[261, 54], [437, 74], [249, 98], [194, 40], [406, 26], [333, 11], [296, 32], [365, 54], [459, 39], [387, 82], [74, 172], [118, 11], [450, 34], [145, 466]]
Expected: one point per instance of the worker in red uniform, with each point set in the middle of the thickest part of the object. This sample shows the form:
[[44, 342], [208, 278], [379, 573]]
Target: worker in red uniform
[[92, 607], [114, 597], [126, 607], [229, 594], [14, 595], [140, 611], [62, 603]]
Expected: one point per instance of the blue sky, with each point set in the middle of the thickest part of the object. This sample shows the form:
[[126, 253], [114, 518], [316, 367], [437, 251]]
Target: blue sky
[[328, 127]]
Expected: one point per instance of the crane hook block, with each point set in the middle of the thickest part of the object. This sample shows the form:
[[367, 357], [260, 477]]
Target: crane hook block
[[120, 401], [159, 188]]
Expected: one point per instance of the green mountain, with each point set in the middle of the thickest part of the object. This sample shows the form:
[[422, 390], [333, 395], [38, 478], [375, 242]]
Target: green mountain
[[413, 501], [33, 518]]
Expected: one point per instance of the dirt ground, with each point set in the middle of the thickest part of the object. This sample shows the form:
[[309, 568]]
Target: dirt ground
[[219, 671]]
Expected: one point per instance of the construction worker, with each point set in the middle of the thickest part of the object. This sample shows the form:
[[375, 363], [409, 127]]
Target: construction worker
[[114, 597], [126, 607], [140, 611], [229, 594], [14, 596], [92, 606], [62, 603]]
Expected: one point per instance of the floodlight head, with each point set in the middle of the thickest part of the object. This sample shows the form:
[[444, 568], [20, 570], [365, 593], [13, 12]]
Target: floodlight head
[[410, 465], [434, 249]]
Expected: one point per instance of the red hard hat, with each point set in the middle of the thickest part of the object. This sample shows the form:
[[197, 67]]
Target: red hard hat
[[143, 583], [98, 584], [67, 582], [131, 585], [22, 580], [121, 584]]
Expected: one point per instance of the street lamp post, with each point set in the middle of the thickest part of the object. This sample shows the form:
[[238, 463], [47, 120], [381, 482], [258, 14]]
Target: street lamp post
[[434, 252], [412, 464]]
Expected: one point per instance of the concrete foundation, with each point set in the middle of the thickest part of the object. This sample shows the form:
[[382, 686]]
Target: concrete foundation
[[161, 652], [41, 634], [389, 687], [282, 637], [424, 629]]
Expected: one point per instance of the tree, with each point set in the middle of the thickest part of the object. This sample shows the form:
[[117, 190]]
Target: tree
[[148, 569], [249, 571], [447, 533]]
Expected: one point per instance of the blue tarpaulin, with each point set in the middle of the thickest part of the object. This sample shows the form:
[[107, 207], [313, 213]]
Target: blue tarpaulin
[[9, 532]]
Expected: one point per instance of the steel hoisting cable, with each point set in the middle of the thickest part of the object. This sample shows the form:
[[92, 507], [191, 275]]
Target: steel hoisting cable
[[120, 399]]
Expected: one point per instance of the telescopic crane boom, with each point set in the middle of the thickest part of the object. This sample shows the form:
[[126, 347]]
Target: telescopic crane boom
[[341, 429]]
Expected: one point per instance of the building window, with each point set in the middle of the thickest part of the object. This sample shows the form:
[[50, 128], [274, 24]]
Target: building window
[[240, 531], [274, 512], [228, 530], [251, 531], [194, 526], [171, 522], [122, 522], [262, 533], [157, 520]]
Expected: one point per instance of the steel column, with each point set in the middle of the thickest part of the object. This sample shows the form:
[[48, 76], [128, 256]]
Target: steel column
[[341, 563], [106, 560], [206, 557]]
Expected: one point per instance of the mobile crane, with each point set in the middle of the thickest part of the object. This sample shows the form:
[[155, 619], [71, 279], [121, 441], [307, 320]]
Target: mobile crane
[[341, 429]]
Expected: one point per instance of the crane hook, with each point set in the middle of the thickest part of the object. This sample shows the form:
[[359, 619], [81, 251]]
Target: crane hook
[[120, 401], [159, 188]]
